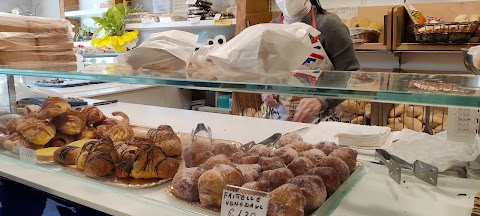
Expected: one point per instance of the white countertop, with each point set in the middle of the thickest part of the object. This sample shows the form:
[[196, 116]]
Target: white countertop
[[376, 194]]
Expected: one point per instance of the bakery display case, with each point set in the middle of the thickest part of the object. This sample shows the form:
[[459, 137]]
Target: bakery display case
[[115, 171]]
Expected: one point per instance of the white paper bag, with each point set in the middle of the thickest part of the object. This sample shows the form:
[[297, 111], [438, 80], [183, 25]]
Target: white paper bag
[[169, 50], [266, 48]]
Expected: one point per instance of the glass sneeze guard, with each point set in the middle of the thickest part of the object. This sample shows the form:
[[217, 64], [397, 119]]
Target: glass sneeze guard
[[424, 89]]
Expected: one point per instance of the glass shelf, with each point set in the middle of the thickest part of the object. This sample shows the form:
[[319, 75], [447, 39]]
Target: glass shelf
[[99, 55], [423, 89]]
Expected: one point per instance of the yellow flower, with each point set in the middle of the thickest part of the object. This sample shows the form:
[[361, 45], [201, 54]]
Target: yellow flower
[[117, 42]]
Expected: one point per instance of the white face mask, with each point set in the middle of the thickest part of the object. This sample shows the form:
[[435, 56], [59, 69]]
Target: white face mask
[[291, 8]]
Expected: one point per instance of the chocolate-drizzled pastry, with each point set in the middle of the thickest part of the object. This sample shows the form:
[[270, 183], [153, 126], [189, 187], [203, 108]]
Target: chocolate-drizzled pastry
[[60, 140], [99, 164], [160, 136], [66, 155], [124, 169], [70, 123], [36, 131], [151, 162], [93, 115]]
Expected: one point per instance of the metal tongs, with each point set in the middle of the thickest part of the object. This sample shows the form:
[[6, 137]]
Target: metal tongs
[[201, 127], [269, 142], [421, 170]]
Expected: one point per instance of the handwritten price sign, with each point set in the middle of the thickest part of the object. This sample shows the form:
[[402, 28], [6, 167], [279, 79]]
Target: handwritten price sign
[[28, 155], [462, 124], [243, 202]]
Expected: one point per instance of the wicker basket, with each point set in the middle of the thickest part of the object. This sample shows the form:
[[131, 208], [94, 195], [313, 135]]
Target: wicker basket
[[364, 35], [445, 32]]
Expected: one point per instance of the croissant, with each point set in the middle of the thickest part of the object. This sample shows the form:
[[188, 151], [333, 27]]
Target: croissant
[[92, 146], [16, 139], [36, 131], [126, 152], [99, 164], [119, 133], [66, 155], [87, 133], [124, 169], [12, 125], [71, 122], [159, 136], [112, 121], [60, 140], [171, 148], [152, 163], [51, 108], [93, 115]]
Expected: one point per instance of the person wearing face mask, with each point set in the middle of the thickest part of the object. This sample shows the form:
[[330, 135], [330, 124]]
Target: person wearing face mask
[[334, 50]]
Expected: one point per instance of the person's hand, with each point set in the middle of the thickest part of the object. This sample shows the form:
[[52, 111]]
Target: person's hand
[[307, 110], [270, 100]]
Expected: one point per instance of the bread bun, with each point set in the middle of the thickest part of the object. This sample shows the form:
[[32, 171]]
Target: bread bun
[[300, 166], [287, 200]]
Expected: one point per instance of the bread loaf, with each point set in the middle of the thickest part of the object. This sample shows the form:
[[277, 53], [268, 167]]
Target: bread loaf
[[415, 111], [398, 110], [352, 106], [358, 120], [397, 126], [412, 123]]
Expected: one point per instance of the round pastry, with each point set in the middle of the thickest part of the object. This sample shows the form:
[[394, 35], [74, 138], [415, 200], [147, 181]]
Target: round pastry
[[215, 160], [313, 155], [250, 159], [300, 165], [165, 128], [200, 158], [200, 146], [340, 167], [257, 186], [159, 136], [287, 200], [185, 184], [119, 133], [286, 154], [70, 123], [124, 169], [60, 140], [288, 139], [98, 164], [272, 163], [167, 168], [237, 157], [300, 146], [93, 115], [188, 157], [171, 148], [260, 150], [87, 133], [329, 176], [250, 172], [152, 163], [211, 184], [225, 149], [313, 190], [36, 131], [348, 155], [276, 178], [326, 147]]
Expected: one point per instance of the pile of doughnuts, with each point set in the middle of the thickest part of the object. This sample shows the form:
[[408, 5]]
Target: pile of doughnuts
[[298, 176]]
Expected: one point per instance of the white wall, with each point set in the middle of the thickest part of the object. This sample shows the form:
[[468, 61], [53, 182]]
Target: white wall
[[47, 8], [8, 5]]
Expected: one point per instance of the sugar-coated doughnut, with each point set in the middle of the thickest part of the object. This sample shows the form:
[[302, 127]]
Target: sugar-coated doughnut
[[337, 164], [212, 182], [326, 147], [300, 146], [288, 139], [276, 178], [250, 172], [185, 184], [200, 158], [231, 175], [271, 163], [300, 165], [313, 190], [250, 159], [287, 200], [225, 149], [260, 150], [348, 155], [213, 161], [188, 157], [237, 157], [313, 155], [257, 185], [286, 154], [329, 176]]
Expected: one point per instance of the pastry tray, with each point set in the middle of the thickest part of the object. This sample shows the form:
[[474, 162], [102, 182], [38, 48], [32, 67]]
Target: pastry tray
[[326, 209]]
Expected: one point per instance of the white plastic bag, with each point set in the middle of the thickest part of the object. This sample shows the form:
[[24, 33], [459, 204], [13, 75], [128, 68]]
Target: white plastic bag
[[434, 149], [266, 48], [169, 50], [475, 52]]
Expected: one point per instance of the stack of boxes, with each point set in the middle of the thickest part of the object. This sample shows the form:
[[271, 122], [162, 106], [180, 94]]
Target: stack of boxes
[[36, 43]]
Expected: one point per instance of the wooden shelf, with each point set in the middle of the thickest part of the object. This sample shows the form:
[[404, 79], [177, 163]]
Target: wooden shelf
[[434, 47], [371, 47]]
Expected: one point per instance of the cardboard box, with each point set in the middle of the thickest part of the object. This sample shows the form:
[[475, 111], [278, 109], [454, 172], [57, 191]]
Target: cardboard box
[[9, 57], [14, 23], [19, 41]]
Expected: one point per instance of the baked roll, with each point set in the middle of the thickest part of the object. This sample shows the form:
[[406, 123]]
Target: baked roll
[[60, 140], [99, 164], [171, 148], [66, 155], [151, 162], [71, 123], [51, 108], [88, 133], [93, 115], [118, 133], [287, 200], [36, 131]]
